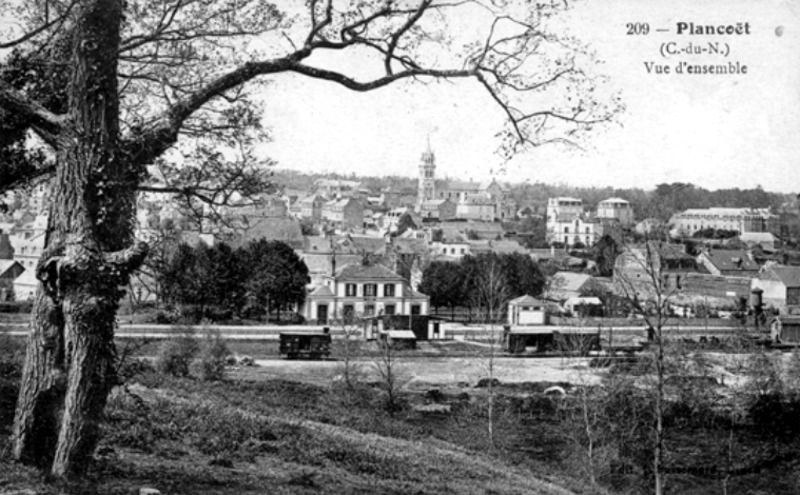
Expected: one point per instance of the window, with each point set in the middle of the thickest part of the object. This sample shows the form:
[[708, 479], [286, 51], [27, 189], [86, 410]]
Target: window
[[388, 290], [566, 230], [350, 289], [462, 250], [369, 309], [370, 290], [389, 309]]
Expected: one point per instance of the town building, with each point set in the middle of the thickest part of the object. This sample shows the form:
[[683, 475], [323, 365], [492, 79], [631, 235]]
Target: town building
[[10, 269], [636, 266], [526, 310], [28, 242], [567, 223], [781, 287], [477, 208], [363, 291], [726, 262], [310, 207], [765, 240], [439, 210], [450, 251], [336, 188], [345, 213], [391, 218], [742, 220], [616, 209]]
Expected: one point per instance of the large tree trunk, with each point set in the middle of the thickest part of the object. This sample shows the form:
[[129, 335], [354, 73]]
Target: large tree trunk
[[69, 368]]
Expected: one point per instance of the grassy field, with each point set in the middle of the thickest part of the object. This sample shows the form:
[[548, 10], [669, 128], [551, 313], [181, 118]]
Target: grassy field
[[187, 436]]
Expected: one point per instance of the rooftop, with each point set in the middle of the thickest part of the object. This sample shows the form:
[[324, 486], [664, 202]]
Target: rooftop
[[367, 272]]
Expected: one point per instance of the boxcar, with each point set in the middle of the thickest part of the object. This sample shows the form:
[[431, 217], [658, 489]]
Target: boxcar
[[305, 344]]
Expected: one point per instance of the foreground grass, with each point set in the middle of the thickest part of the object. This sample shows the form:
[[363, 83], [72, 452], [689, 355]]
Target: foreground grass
[[186, 437]]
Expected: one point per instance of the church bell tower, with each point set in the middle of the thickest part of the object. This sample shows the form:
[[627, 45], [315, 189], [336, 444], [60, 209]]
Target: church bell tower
[[427, 167]]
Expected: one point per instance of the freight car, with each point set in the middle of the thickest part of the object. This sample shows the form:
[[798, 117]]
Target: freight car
[[550, 338], [312, 345]]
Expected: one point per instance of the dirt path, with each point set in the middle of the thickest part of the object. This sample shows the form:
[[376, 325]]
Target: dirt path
[[421, 373]]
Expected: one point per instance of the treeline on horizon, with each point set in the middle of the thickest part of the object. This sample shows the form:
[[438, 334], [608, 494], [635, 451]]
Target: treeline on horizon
[[664, 199]]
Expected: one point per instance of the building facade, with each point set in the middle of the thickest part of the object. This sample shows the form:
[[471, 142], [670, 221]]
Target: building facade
[[616, 209], [363, 291], [346, 213], [567, 224], [742, 220]]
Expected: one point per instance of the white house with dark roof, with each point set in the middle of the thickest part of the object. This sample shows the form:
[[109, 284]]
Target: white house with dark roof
[[781, 286], [363, 290], [527, 310], [568, 224]]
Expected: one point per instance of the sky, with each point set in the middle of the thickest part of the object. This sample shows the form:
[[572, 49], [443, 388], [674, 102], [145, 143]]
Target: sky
[[715, 131]]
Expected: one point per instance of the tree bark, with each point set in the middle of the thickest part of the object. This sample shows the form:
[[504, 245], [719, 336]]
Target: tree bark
[[69, 368]]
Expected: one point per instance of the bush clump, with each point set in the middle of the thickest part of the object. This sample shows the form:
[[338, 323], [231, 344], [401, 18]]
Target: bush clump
[[175, 355], [213, 356]]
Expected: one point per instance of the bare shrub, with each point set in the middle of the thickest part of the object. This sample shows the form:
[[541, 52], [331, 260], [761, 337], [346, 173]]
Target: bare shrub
[[175, 355], [214, 354], [387, 366]]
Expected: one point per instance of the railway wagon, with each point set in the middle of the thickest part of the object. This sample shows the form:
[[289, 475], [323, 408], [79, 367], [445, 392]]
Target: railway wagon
[[312, 345], [547, 338]]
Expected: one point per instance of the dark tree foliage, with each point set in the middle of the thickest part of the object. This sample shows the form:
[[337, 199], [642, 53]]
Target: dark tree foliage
[[457, 284], [205, 278], [606, 250], [404, 223], [228, 273], [711, 233], [532, 232], [522, 275], [443, 282], [179, 279], [277, 277], [46, 82]]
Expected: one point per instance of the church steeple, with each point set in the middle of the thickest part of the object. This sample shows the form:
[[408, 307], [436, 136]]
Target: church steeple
[[427, 169]]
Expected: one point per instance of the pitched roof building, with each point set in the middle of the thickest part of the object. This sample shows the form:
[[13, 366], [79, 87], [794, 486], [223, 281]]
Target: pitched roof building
[[363, 290]]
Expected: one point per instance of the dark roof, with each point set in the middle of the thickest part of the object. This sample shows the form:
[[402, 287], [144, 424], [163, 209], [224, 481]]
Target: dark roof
[[8, 265], [367, 244], [725, 259], [367, 272], [272, 229], [526, 299], [323, 262], [789, 275], [321, 291]]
